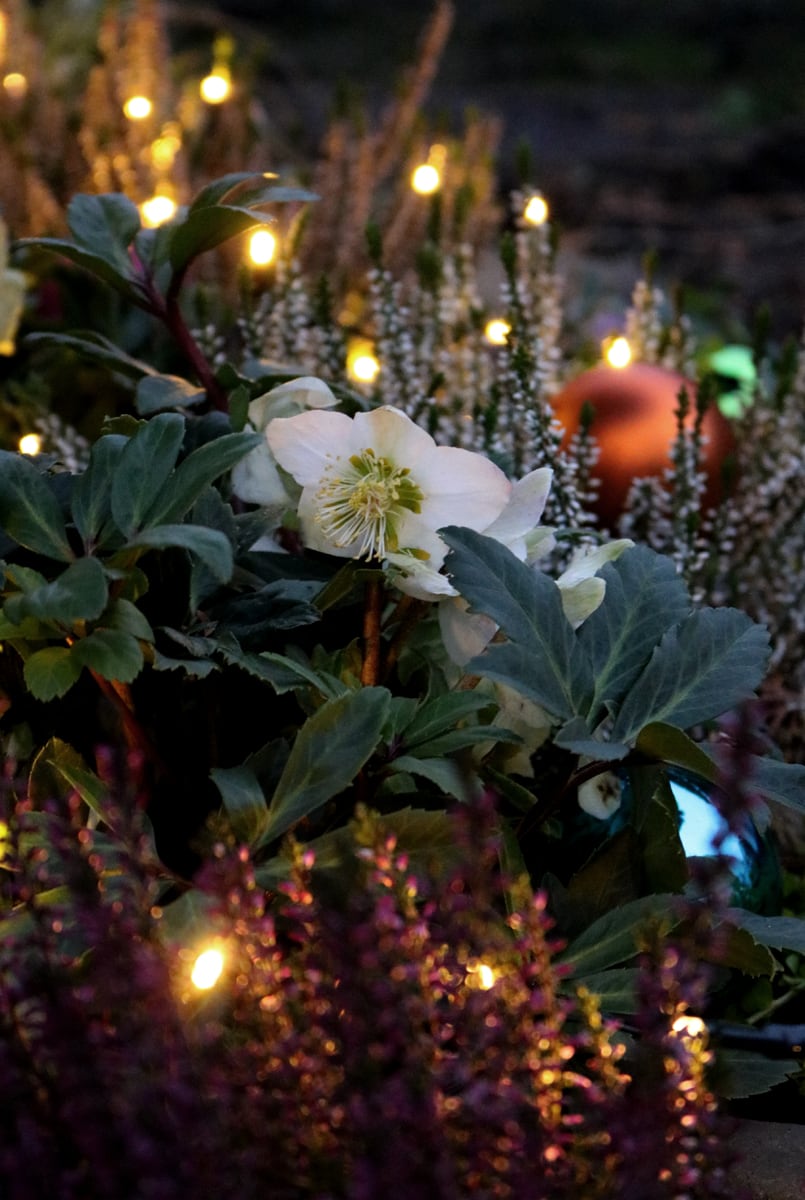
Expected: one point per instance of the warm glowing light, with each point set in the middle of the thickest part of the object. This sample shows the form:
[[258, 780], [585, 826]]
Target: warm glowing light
[[692, 1027], [30, 443], [536, 211], [482, 975], [156, 211], [425, 180], [165, 148], [207, 969], [364, 367], [497, 331], [617, 352], [486, 976], [15, 84], [262, 247], [137, 108], [216, 87]]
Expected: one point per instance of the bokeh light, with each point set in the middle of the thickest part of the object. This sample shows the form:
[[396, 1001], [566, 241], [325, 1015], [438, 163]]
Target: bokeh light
[[262, 247], [30, 443], [216, 87], [137, 108], [207, 969], [497, 331], [617, 352], [536, 211]]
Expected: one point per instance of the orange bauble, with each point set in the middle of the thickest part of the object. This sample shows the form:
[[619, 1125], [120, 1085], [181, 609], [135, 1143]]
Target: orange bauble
[[635, 427]]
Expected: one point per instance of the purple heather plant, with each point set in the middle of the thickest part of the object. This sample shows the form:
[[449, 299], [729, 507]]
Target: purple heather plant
[[400, 1036]]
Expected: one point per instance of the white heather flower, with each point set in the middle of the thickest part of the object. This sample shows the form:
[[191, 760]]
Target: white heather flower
[[377, 486], [255, 478]]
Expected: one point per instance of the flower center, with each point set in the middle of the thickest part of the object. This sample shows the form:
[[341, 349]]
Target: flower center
[[362, 502]]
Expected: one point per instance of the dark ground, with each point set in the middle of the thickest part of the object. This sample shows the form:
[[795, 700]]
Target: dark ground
[[677, 127]]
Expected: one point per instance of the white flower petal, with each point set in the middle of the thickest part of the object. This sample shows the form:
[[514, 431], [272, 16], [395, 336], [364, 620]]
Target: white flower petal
[[461, 488], [290, 398], [582, 598], [525, 506], [417, 578], [464, 634], [589, 559], [306, 445], [538, 542], [392, 435], [256, 479]]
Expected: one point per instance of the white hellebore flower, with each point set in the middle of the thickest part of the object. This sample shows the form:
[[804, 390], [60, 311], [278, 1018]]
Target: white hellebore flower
[[377, 486], [255, 478]]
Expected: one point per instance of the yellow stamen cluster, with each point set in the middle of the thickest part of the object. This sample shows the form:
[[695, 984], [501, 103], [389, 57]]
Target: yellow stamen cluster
[[360, 502]]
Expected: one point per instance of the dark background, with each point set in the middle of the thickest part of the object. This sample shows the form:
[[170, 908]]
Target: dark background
[[676, 127]]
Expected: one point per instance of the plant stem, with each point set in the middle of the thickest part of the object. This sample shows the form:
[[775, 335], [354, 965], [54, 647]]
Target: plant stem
[[177, 326], [373, 603]]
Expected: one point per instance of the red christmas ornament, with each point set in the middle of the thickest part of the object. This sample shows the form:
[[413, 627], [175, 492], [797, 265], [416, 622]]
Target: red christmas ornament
[[635, 427]]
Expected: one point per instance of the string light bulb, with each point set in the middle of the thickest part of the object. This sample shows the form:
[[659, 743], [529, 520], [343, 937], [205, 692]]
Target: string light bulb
[[30, 443], [262, 247], [497, 331], [617, 352], [216, 87], [15, 84], [425, 179], [207, 969], [536, 211], [362, 364], [157, 210], [137, 108], [482, 975]]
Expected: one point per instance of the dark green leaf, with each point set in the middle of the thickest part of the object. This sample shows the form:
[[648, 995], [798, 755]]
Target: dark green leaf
[[781, 933], [195, 473], [329, 750], [59, 769], [542, 658], [750, 1074], [441, 715], [127, 618], [205, 228], [614, 937], [29, 512], [220, 189], [95, 264], [110, 653], [615, 989], [655, 818], [576, 737], [79, 594], [144, 466], [714, 659], [670, 745], [105, 225], [448, 775], [96, 347], [243, 800], [644, 598], [209, 545], [157, 393], [51, 672], [780, 781], [197, 668], [91, 499]]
